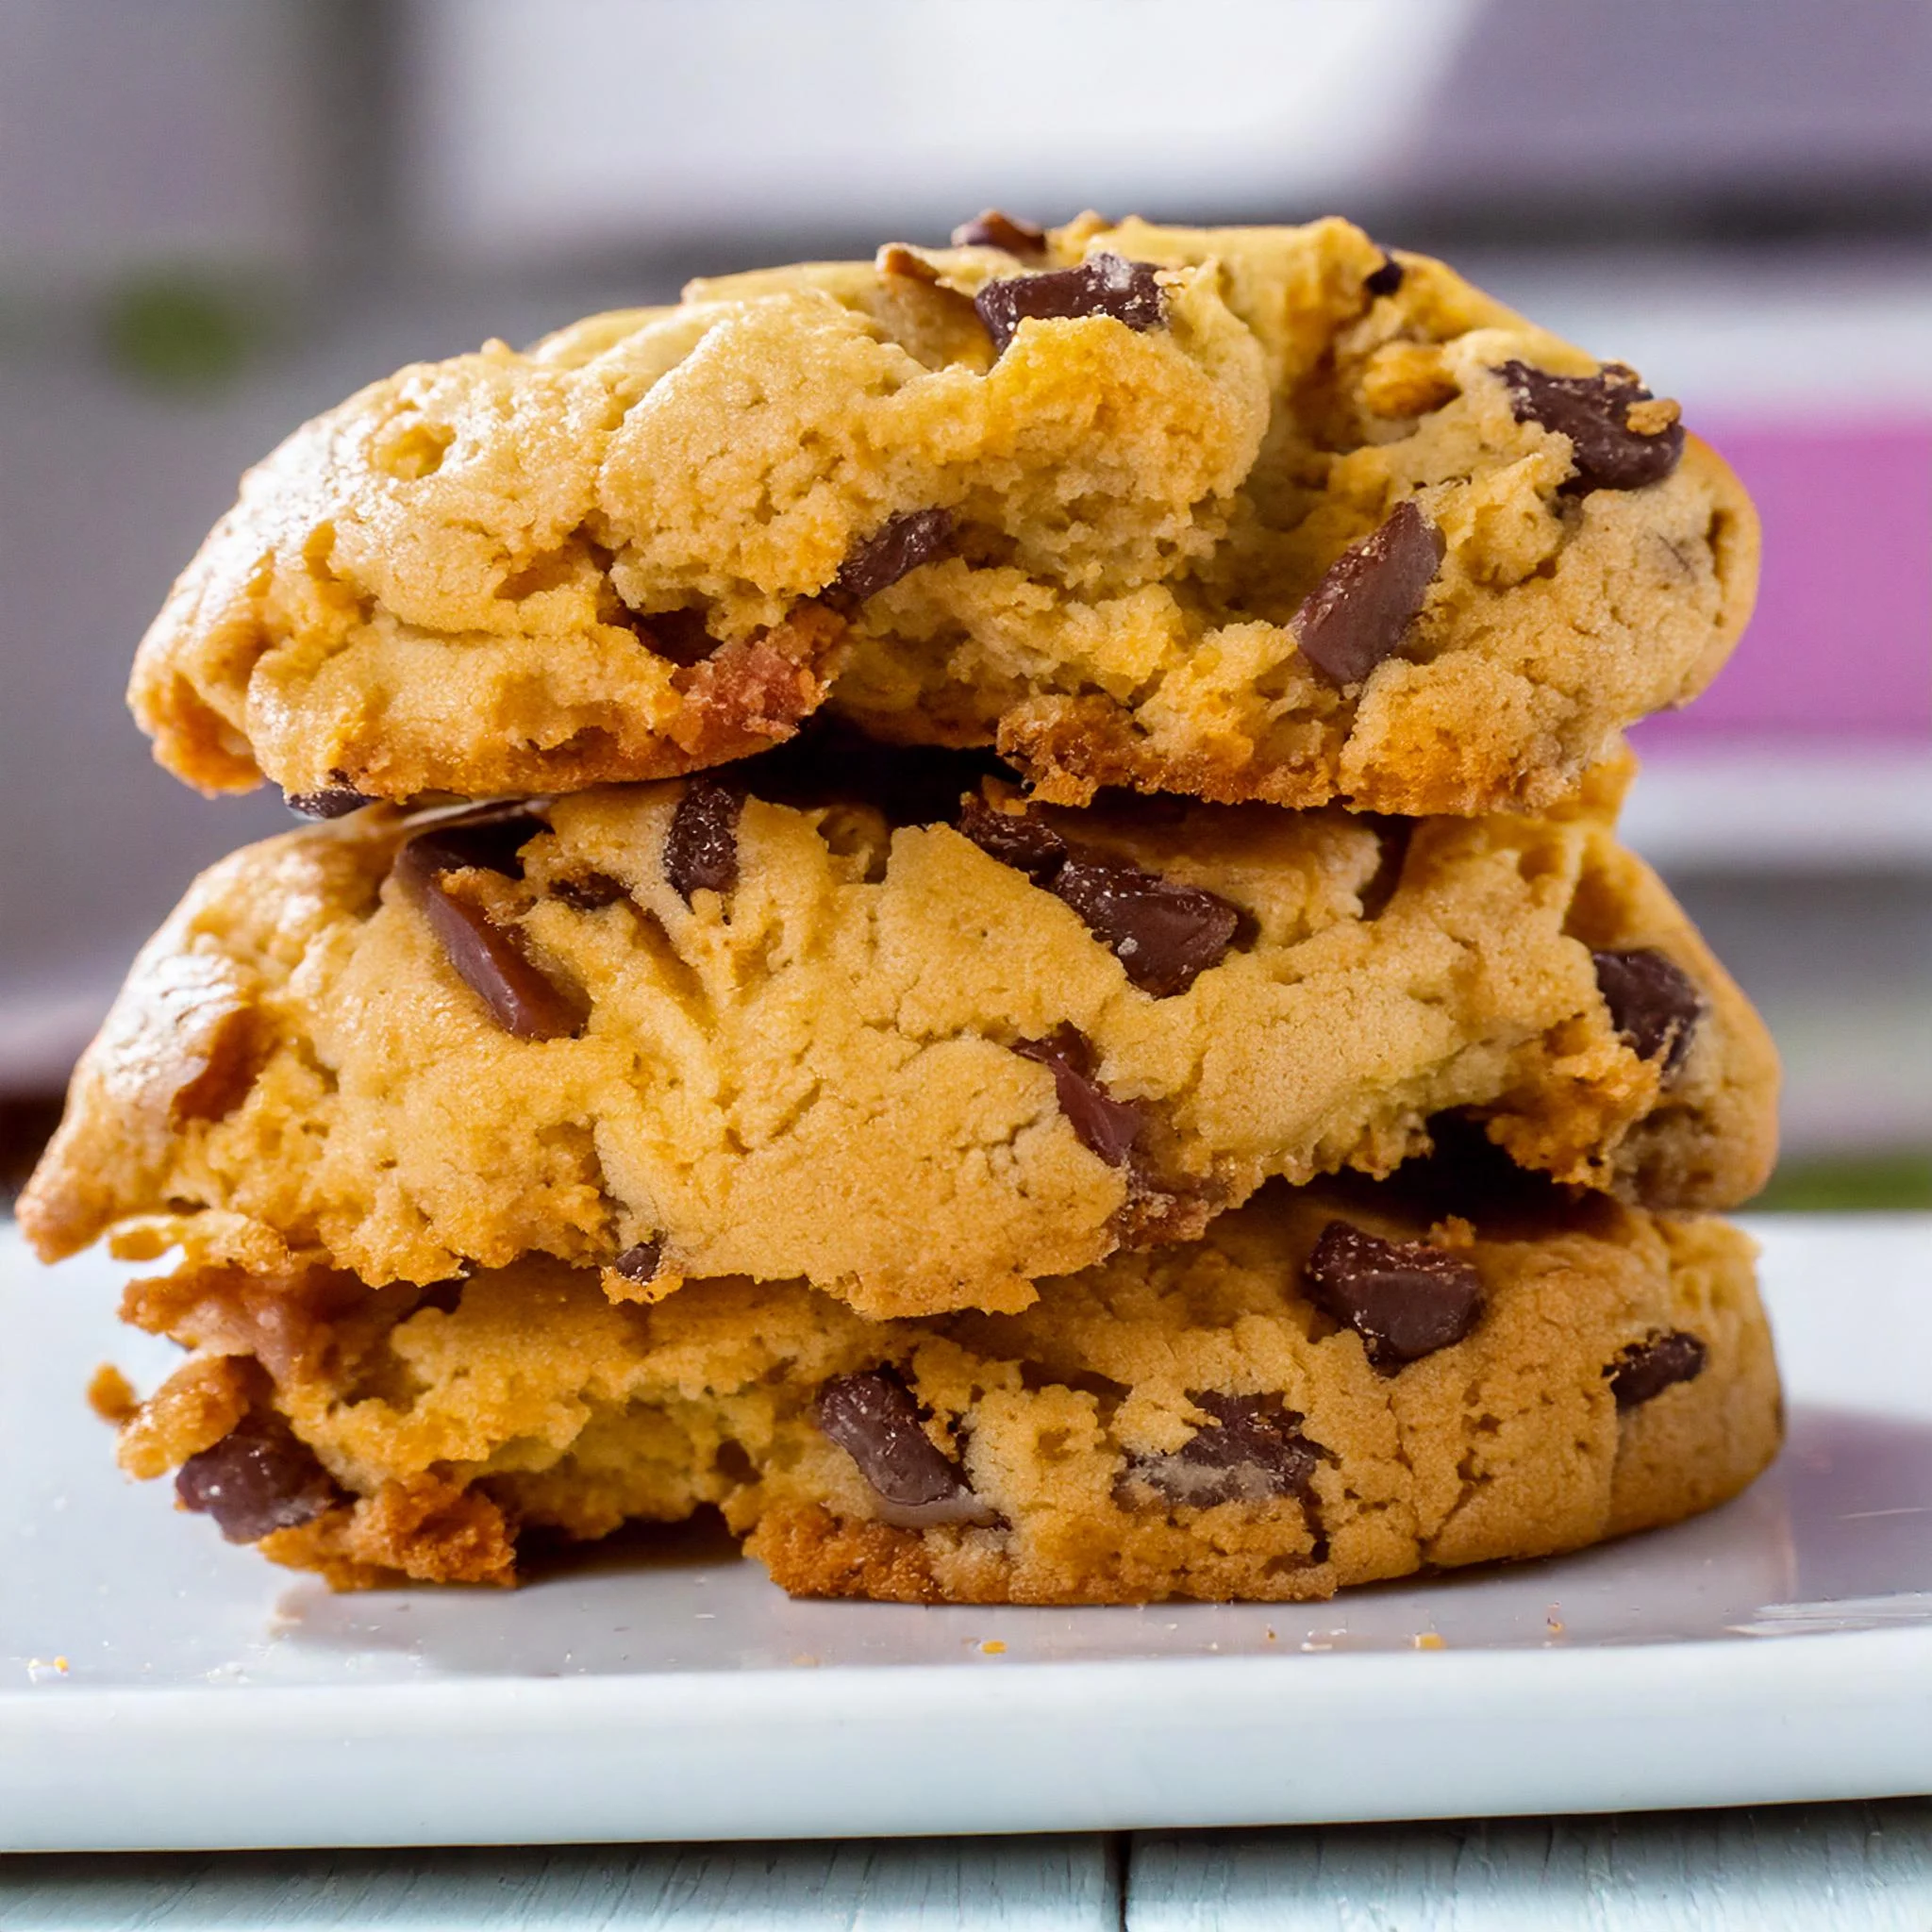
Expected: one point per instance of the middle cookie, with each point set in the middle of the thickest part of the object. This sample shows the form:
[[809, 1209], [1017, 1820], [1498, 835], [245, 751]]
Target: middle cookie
[[920, 1051]]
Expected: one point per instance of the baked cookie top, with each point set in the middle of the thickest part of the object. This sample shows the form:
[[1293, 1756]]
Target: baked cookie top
[[841, 1023], [1244, 513], [1329, 1387]]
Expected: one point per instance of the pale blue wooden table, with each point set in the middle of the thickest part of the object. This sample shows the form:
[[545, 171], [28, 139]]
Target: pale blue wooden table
[[1842, 1867]]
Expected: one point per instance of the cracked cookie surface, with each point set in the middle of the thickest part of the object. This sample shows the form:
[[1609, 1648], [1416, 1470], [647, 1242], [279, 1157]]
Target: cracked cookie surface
[[1192, 1422], [1123, 504], [920, 1050]]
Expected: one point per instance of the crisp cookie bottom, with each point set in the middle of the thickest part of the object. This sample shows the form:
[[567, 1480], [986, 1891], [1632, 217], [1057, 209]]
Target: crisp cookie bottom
[[1180, 1422]]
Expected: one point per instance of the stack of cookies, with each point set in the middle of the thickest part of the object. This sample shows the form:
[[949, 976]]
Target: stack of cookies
[[968, 907]]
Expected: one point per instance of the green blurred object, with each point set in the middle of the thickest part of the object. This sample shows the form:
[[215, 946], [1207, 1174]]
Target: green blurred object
[[185, 328], [1849, 1184]]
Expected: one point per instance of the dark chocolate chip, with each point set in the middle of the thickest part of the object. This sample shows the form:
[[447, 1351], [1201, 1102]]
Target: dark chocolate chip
[[1592, 411], [258, 1477], [1028, 844], [338, 802], [1101, 285], [489, 841], [679, 635], [989, 228], [1165, 935], [900, 544], [1361, 611], [874, 1417], [489, 959], [1386, 279], [1647, 1368], [1405, 1299], [639, 1263], [701, 848], [1654, 1002], [1104, 1124], [1255, 1453], [589, 892]]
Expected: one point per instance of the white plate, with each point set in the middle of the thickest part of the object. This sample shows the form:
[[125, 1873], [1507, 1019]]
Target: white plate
[[203, 1700]]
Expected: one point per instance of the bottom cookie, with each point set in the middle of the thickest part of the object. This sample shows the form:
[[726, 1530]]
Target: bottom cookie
[[1302, 1400]]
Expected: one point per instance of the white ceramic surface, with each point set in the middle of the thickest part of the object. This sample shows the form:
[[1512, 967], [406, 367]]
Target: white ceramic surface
[[1779, 1649]]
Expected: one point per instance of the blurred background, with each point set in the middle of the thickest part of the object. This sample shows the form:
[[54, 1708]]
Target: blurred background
[[219, 216]]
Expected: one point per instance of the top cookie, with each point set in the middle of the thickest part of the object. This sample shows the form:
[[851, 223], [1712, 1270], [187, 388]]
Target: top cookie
[[1247, 513]]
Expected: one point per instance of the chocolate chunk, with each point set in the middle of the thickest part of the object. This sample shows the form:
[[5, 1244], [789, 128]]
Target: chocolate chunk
[[989, 228], [1405, 1299], [258, 1477], [1255, 1453], [1654, 1002], [900, 544], [489, 841], [1028, 844], [1648, 1368], [679, 635], [1386, 279], [1104, 1124], [489, 959], [1609, 452], [338, 802], [874, 1417], [1101, 285], [1165, 935], [639, 1263], [589, 892], [1361, 611], [701, 848]]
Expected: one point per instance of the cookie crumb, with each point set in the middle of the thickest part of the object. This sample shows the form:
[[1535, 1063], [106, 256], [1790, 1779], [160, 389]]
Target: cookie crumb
[[992, 1647], [110, 1395], [1428, 1640]]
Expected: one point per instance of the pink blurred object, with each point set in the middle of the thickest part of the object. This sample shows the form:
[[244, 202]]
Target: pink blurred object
[[1842, 645]]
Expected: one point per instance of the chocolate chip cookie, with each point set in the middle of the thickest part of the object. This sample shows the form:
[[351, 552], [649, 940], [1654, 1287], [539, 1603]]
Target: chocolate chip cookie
[[1331, 1388], [862, 1021], [1243, 513]]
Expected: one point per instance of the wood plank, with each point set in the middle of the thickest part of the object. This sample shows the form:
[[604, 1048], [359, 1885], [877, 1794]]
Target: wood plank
[[1849, 1867], [1010, 1885]]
